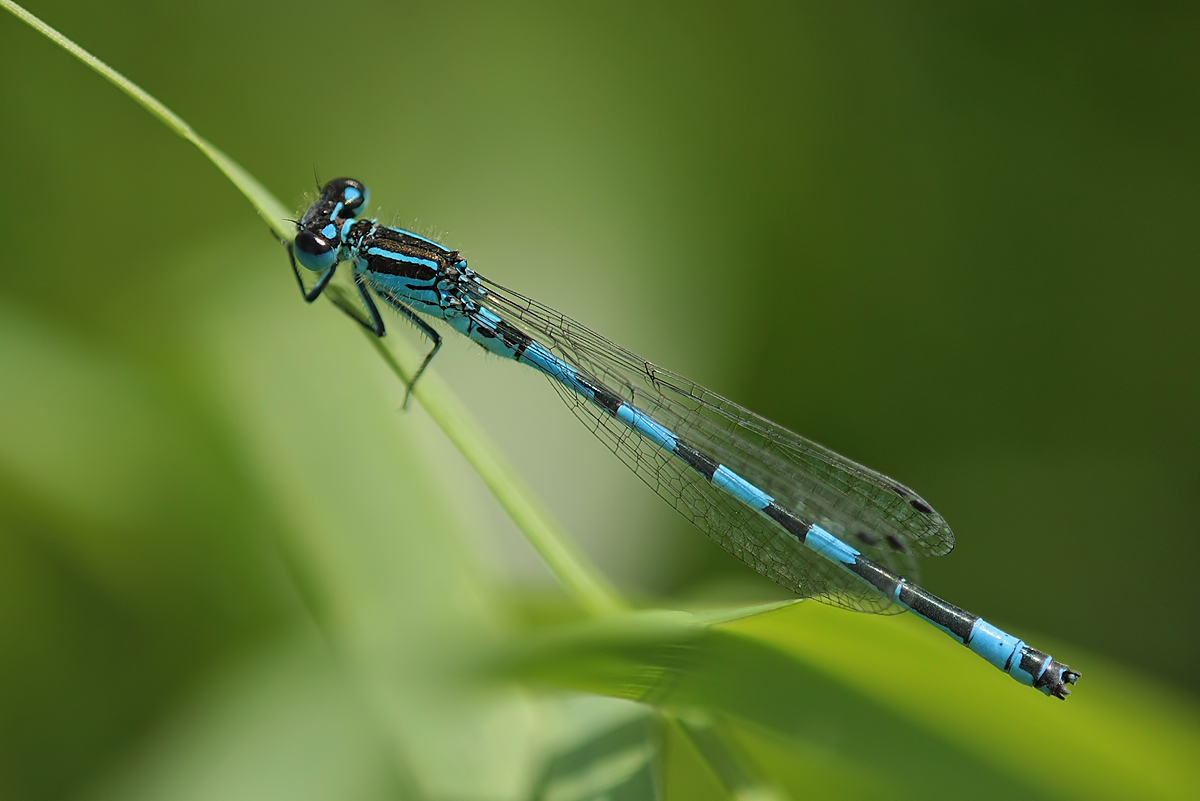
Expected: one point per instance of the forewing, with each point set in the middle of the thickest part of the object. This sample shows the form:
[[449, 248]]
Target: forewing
[[880, 517]]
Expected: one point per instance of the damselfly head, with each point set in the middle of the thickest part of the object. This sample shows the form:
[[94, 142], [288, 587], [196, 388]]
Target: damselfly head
[[320, 229]]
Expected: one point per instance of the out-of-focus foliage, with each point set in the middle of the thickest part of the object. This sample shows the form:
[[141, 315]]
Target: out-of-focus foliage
[[953, 244]]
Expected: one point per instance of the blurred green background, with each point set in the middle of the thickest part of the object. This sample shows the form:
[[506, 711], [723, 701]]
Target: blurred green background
[[958, 245]]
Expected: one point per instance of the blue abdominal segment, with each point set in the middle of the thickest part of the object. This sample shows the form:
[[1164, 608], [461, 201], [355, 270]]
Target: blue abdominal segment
[[830, 546]]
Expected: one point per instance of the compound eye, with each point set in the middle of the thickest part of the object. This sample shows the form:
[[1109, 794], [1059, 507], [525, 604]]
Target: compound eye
[[314, 252]]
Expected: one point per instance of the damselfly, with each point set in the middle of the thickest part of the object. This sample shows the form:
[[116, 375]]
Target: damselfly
[[813, 521]]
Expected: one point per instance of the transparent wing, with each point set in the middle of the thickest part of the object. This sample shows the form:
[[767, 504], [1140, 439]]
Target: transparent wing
[[885, 520]]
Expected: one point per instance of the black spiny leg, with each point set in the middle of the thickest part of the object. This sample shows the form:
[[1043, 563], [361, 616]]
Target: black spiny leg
[[425, 329], [375, 326]]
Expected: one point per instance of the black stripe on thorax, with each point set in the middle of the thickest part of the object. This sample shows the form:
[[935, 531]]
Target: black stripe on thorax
[[400, 243], [404, 269], [413, 244], [400, 266]]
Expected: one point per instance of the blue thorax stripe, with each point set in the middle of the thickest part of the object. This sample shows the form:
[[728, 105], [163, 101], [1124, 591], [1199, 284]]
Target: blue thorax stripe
[[391, 254]]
